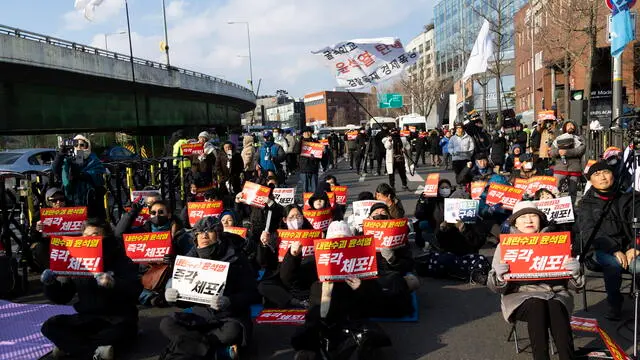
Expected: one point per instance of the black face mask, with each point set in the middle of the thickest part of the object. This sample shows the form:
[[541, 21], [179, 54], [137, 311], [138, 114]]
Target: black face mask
[[381, 217], [159, 220], [208, 252]]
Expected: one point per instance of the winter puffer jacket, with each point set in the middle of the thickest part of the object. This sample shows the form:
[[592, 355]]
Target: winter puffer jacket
[[248, 152]]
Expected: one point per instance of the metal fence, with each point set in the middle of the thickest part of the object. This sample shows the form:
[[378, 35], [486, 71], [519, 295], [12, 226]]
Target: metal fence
[[598, 141]]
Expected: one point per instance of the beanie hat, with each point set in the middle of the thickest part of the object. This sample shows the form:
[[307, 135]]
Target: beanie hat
[[208, 224], [205, 135], [600, 165], [526, 207], [377, 206], [83, 138], [232, 214], [52, 191], [338, 229]]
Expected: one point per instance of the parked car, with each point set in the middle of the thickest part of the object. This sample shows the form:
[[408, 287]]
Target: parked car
[[117, 153], [23, 160]]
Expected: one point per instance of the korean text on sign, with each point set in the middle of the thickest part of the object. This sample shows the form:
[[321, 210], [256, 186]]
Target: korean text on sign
[[361, 211], [281, 316], [460, 210], [76, 256], [312, 149], [477, 188], [535, 256], [242, 232], [340, 258], [306, 196], [340, 194], [147, 247], [192, 149], [542, 182], [431, 185], [319, 219], [63, 221], [199, 210], [507, 195], [559, 210], [142, 217], [284, 196], [144, 194], [388, 234], [255, 195], [199, 280], [305, 237]]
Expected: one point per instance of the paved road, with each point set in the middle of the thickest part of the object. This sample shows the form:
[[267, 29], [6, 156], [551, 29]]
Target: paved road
[[457, 320]]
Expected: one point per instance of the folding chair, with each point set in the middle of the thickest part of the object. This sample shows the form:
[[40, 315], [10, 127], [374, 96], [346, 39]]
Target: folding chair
[[513, 334]]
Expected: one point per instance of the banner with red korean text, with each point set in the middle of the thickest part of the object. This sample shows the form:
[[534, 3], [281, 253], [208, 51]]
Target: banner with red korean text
[[192, 149], [431, 185], [352, 135], [505, 194], [340, 194], [199, 280], [542, 182], [144, 194], [306, 196], [312, 149], [255, 195], [617, 353], [388, 234], [305, 237], [240, 231], [520, 183], [546, 115], [76, 256], [477, 188], [284, 196], [199, 210], [535, 256], [324, 142], [319, 219], [559, 210], [147, 247], [340, 258], [405, 133], [63, 221], [281, 316], [584, 324], [142, 217], [592, 326]]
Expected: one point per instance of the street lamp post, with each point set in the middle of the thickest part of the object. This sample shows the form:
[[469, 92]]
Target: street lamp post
[[249, 43], [106, 36]]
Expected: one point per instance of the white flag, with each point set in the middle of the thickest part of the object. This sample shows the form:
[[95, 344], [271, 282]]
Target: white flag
[[482, 51], [363, 62], [88, 6]]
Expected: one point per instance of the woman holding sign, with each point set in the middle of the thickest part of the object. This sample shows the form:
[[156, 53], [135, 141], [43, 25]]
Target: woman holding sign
[[544, 304]]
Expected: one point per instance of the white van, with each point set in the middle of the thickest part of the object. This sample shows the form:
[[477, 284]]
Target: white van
[[411, 121]]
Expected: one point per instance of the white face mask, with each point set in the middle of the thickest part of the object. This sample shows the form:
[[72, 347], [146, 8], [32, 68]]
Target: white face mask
[[81, 154], [295, 224], [229, 153], [444, 192]]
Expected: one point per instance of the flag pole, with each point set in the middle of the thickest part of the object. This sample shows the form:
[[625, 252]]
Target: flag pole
[[166, 33], [133, 71]]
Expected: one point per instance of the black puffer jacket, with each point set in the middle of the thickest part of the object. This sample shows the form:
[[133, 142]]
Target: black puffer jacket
[[498, 150], [306, 165], [615, 232]]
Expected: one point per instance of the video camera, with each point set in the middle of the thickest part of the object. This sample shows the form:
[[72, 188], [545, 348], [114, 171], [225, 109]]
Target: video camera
[[65, 146]]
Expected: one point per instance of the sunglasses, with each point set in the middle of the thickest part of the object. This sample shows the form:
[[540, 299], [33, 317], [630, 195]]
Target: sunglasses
[[56, 199], [157, 212], [81, 145]]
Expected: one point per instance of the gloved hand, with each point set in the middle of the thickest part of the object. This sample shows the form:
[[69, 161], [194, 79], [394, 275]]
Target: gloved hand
[[48, 277], [105, 280], [171, 295], [220, 303], [501, 270], [505, 228], [137, 203], [494, 208], [168, 259], [387, 254], [572, 264]]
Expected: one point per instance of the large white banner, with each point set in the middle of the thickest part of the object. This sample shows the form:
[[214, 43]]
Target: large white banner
[[363, 62], [199, 280]]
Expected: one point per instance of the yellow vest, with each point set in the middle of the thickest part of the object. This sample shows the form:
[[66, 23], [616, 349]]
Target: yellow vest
[[177, 151]]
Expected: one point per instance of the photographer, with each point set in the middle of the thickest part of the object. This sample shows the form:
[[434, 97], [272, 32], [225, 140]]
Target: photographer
[[568, 149], [81, 174]]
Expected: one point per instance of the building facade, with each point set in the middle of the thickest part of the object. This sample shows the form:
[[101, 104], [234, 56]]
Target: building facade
[[423, 44], [289, 115], [336, 108]]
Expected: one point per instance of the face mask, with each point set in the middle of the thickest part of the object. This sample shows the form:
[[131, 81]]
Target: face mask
[[229, 153], [160, 220], [295, 224], [381, 217], [527, 166], [193, 192], [208, 252], [444, 192], [81, 154]]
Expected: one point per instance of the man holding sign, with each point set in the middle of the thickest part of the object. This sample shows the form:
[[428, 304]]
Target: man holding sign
[[307, 165], [221, 319]]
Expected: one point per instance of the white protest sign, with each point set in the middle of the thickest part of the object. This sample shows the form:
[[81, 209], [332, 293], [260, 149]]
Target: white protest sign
[[361, 211], [144, 194], [284, 196], [460, 210], [363, 62], [559, 210], [199, 280]]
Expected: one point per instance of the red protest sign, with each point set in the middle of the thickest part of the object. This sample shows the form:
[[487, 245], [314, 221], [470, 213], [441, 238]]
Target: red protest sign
[[584, 324], [520, 183], [236, 230], [63, 221], [542, 182], [477, 188], [305, 237], [312, 149], [431, 185], [352, 135], [337, 259], [340, 194], [142, 217], [535, 256], [255, 194], [192, 149], [147, 247], [319, 219], [306, 196], [281, 316], [405, 133], [388, 234], [76, 256], [617, 353], [505, 194], [199, 210]]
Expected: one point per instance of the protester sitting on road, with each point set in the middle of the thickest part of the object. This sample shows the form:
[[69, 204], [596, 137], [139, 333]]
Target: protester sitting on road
[[480, 172], [387, 194], [82, 177], [398, 259], [221, 327], [107, 316], [544, 305], [512, 164], [39, 244]]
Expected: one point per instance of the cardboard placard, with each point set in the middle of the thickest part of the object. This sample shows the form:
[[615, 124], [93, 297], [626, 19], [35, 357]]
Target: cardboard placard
[[305, 237], [542, 182], [76, 256], [63, 221], [460, 210], [405, 133], [284, 196], [477, 188], [255, 195], [306, 196], [319, 219], [312, 149], [535, 256], [281, 316], [199, 210], [340, 194], [337, 259], [242, 232], [505, 194], [192, 149], [584, 324], [559, 210], [520, 183], [352, 135], [199, 280], [142, 218], [147, 247], [361, 211], [388, 234], [431, 185]]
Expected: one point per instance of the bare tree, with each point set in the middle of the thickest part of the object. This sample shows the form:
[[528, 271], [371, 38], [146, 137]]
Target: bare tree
[[425, 92]]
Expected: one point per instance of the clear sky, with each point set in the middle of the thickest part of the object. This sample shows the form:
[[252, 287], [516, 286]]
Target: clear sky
[[283, 32]]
